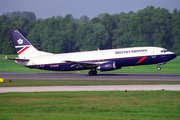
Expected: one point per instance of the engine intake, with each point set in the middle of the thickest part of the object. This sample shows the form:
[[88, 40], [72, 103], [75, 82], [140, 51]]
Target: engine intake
[[107, 66]]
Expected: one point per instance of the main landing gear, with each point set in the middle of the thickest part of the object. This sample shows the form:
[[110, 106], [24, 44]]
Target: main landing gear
[[159, 68], [93, 72]]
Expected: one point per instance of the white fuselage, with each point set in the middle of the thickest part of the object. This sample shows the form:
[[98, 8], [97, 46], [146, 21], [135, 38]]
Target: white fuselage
[[99, 55]]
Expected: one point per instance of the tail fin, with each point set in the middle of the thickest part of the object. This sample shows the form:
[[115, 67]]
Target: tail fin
[[23, 47]]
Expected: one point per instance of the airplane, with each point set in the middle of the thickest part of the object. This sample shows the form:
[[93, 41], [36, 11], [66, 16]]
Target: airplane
[[103, 60]]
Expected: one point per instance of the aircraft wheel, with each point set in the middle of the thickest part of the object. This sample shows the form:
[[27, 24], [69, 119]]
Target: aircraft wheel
[[159, 68], [92, 72]]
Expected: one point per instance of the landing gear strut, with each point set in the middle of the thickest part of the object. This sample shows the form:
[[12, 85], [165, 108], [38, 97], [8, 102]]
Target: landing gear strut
[[159, 68], [92, 72]]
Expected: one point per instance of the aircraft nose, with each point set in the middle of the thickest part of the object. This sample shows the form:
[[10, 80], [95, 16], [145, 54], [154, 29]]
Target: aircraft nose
[[173, 56]]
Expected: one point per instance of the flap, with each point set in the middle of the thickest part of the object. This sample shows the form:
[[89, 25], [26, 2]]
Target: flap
[[83, 64]]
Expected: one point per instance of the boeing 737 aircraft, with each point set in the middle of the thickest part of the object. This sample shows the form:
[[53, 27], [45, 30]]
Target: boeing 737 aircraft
[[103, 60]]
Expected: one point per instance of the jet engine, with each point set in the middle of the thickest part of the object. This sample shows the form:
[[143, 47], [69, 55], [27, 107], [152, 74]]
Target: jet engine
[[107, 66]]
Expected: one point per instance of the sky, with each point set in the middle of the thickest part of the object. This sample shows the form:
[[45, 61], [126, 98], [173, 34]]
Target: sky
[[91, 8]]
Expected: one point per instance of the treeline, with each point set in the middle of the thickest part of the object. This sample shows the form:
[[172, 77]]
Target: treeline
[[24, 14], [148, 27]]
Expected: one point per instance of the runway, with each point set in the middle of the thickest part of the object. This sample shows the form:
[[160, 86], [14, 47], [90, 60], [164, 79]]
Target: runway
[[85, 76], [91, 88]]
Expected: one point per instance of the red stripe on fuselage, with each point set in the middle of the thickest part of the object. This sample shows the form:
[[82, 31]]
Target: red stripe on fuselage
[[143, 58], [23, 50]]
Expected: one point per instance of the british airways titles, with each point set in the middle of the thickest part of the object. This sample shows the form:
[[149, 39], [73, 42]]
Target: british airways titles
[[131, 51]]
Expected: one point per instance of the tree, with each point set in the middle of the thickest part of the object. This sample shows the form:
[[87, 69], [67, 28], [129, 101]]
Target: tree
[[121, 36], [83, 19], [161, 21], [110, 24], [98, 39], [148, 27], [95, 20], [29, 15], [176, 30]]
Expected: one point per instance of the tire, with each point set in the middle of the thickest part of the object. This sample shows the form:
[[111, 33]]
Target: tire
[[159, 68], [93, 72], [90, 73]]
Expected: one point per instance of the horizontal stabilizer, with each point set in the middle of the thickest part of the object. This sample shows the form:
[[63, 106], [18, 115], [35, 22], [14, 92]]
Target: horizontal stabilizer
[[17, 59]]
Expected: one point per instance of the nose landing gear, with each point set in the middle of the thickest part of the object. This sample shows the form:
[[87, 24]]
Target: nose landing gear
[[159, 68]]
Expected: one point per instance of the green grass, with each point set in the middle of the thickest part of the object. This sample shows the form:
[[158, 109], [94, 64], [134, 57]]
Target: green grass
[[172, 66], [109, 105], [11, 66], [112, 105], [16, 83]]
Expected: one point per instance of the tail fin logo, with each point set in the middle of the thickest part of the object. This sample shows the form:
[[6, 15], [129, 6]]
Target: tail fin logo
[[20, 41], [22, 50]]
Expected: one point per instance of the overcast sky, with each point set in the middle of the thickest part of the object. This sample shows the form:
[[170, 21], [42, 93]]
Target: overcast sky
[[91, 8]]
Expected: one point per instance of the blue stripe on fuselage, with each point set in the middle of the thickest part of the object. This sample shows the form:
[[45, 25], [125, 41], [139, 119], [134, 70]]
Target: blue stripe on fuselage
[[120, 62]]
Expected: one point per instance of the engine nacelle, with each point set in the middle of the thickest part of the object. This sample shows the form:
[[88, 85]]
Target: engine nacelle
[[107, 66]]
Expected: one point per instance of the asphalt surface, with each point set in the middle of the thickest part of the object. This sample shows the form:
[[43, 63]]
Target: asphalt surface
[[85, 76], [91, 88]]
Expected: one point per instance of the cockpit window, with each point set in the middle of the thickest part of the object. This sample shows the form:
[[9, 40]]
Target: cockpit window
[[164, 51]]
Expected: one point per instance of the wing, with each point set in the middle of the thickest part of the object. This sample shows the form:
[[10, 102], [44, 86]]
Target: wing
[[83, 64]]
